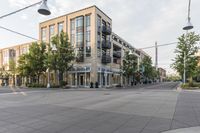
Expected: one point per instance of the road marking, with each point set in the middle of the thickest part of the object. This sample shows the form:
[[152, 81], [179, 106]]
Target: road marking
[[17, 92]]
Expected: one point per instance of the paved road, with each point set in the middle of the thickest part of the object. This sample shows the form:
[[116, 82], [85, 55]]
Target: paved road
[[147, 109]]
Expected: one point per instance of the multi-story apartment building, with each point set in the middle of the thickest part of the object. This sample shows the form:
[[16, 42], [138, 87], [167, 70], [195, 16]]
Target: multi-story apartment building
[[99, 51]]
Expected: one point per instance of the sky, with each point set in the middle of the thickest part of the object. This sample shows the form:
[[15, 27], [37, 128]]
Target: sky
[[139, 22]]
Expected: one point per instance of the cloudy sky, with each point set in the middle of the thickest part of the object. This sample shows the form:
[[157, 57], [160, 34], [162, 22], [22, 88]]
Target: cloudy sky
[[140, 22]]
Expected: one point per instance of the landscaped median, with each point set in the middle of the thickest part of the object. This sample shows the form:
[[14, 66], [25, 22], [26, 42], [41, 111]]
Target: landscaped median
[[190, 86]]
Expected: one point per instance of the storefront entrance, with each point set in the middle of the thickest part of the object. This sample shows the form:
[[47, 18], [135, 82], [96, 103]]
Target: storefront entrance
[[81, 78]]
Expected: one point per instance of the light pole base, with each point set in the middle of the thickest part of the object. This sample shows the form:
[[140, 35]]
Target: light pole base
[[48, 85]]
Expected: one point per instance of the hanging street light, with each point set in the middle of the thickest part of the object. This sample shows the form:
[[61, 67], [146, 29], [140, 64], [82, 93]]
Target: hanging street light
[[43, 9], [189, 25]]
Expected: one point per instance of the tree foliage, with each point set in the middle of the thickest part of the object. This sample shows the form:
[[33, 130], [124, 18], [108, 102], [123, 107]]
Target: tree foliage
[[62, 58], [33, 63], [187, 45], [129, 64], [149, 71]]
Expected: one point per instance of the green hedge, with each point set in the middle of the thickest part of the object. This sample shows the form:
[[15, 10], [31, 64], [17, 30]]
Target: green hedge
[[36, 85], [190, 85]]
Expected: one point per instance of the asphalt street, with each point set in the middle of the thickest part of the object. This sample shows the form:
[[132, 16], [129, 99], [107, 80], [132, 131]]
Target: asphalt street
[[144, 109]]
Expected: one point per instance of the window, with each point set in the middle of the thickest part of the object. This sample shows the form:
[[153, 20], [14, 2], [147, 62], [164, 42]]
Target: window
[[72, 31], [72, 39], [88, 37], [60, 27], [88, 21], [73, 24], [79, 21], [24, 50], [51, 32], [5, 57], [103, 23], [98, 24], [43, 34], [98, 21], [79, 39], [79, 31]]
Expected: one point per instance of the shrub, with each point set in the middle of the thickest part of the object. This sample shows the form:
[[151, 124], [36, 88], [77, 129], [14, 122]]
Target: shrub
[[35, 85], [63, 83], [119, 85]]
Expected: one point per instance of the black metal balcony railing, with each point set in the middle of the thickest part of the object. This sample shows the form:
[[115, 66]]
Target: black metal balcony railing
[[106, 59], [99, 29], [117, 54], [98, 44], [107, 30], [80, 58], [106, 44]]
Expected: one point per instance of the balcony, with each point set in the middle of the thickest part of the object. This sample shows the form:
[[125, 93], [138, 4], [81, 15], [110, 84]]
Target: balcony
[[106, 59], [106, 30], [98, 29], [80, 58], [99, 44], [117, 54], [106, 44]]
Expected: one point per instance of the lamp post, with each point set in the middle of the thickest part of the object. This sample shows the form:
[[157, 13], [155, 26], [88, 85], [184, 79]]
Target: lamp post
[[85, 77], [53, 48], [188, 26]]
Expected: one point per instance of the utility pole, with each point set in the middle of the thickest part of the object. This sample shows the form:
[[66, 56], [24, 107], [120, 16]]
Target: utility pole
[[156, 55]]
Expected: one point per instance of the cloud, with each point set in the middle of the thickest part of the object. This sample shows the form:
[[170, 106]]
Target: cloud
[[24, 16], [140, 22], [21, 3]]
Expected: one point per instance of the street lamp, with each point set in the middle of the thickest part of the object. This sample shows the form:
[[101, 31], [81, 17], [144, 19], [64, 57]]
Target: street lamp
[[189, 26], [43, 9], [53, 48], [85, 77]]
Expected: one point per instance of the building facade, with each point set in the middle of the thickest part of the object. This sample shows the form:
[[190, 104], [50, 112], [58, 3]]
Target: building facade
[[99, 51], [8, 55], [162, 74]]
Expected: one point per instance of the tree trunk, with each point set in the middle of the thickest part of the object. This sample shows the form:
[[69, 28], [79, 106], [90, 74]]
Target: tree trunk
[[38, 79]]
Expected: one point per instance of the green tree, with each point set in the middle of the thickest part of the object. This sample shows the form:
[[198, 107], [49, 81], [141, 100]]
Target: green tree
[[32, 64], [148, 68], [187, 45], [129, 67], [23, 68], [154, 73], [36, 59], [61, 59]]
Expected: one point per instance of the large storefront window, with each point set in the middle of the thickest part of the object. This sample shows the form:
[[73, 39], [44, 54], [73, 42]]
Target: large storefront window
[[80, 76]]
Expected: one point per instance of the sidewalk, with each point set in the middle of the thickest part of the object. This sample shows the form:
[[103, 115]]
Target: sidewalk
[[138, 86]]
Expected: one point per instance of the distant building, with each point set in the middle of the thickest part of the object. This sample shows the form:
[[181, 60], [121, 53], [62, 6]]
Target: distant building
[[8, 54], [162, 74]]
